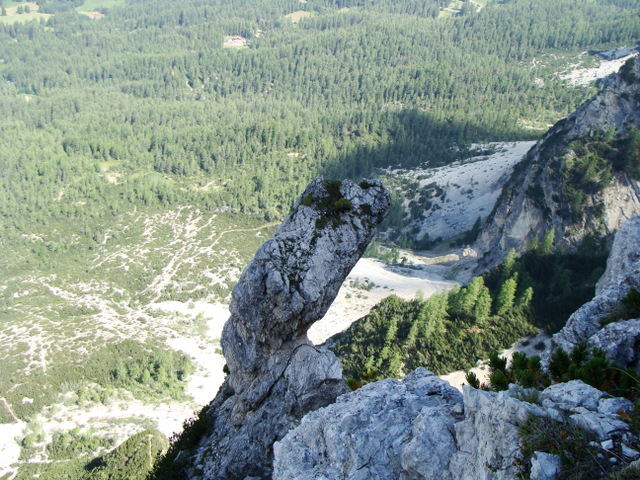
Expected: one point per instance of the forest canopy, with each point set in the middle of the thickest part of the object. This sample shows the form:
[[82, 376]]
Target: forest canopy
[[145, 106]]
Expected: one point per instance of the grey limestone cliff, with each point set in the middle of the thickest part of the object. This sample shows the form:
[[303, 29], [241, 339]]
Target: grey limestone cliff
[[276, 375], [620, 338], [534, 200], [421, 428]]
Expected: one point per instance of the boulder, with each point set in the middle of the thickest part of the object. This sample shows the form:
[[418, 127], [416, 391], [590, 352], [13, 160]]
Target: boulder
[[571, 395], [601, 426], [620, 342], [615, 405], [545, 466], [407, 430], [385, 430]]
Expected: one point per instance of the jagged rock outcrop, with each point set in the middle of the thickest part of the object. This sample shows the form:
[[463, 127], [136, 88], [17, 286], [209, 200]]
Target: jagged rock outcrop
[[487, 439], [620, 339], [419, 428], [535, 201], [377, 431], [623, 263], [276, 375]]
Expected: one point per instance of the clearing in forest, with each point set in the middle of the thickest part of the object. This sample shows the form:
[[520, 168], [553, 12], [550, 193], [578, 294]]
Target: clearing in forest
[[235, 41], [451, 10], [298, 15], [12, 15], [92, 5], [94, 14]]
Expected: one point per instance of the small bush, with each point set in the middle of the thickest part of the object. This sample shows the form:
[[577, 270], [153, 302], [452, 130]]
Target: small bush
[[628, 309], [590, 366], [73, 444], [579, 458], [342, 205], [132, 460], [627, 73], [633, 417], [473, 380], [629, 473]]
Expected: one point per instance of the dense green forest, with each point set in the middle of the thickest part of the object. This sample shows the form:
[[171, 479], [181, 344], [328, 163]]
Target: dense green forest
[[451, 331], [131, 460], [146, 107]]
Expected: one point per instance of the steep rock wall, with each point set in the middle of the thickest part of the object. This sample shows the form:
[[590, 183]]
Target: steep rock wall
[[533, 203], [620, 338]]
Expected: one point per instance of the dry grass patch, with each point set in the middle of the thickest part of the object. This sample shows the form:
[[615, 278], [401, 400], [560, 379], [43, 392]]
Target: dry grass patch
[[112, 177], [94, 14], [451, 10], [13, 10], [235, 41], [13, 16]]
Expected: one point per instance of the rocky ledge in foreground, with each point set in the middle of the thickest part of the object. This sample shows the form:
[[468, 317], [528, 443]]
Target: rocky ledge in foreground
[[276, 375], [421, 428]]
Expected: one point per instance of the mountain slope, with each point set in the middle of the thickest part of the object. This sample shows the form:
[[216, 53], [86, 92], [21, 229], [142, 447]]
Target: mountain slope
[[580, 180]]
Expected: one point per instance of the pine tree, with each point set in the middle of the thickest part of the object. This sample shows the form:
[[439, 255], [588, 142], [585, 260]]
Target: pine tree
[[506, 296], [482, 308], [524, 299], [509, 263], [546, 246]]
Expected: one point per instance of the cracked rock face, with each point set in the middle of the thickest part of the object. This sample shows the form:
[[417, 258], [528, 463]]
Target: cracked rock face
[[421, 428], [276, 375], [384, 430], [620, 339]]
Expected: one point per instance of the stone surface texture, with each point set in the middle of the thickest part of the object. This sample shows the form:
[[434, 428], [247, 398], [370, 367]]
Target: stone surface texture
[[380, 429], [620, 339], [421, 428], [545, 466], [276, 375]]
